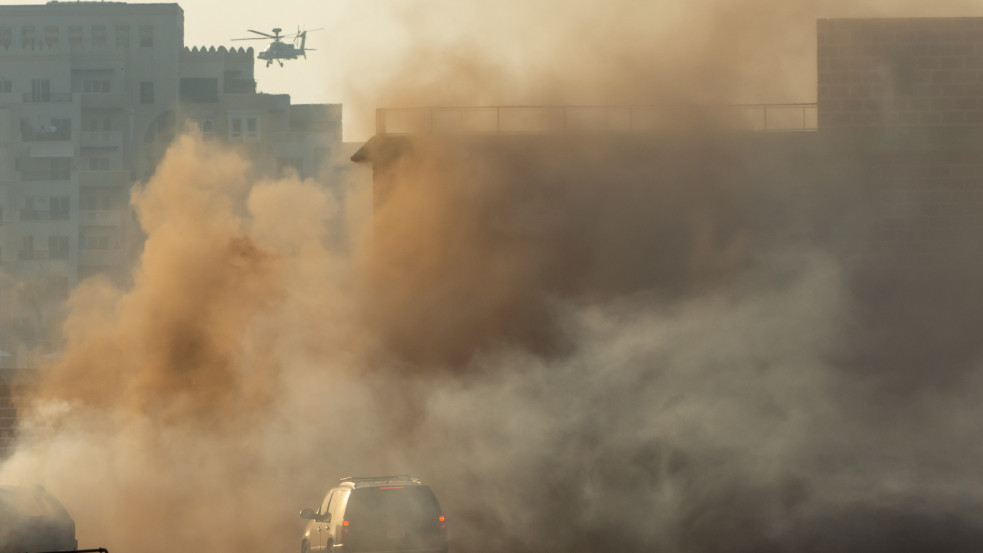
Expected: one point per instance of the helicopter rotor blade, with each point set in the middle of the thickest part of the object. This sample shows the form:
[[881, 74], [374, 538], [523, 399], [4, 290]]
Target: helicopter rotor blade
[[251, 38], [302, 31], [267, 35]]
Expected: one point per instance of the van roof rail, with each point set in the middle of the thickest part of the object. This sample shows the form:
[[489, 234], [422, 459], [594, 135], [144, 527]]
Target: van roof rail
[[389, 478]]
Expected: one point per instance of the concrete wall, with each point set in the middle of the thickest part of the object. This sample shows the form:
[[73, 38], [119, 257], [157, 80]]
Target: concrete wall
[[900, 72]]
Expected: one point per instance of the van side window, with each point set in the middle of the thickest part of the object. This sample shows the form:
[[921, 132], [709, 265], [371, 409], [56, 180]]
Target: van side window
[[324, 506], [338, 502]]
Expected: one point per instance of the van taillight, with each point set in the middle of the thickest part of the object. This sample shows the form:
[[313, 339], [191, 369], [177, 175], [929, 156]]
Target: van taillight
[[443, 526], [344, 527]]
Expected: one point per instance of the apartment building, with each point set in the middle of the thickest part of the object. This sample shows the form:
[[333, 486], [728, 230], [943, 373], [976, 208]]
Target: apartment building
[[91, 93]]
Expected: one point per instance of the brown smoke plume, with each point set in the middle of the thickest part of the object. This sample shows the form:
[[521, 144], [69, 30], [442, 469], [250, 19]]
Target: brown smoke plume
[[171, 348], [160, 409]]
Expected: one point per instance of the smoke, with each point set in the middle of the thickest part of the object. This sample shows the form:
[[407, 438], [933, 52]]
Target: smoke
[[583, 52], [668, 343]]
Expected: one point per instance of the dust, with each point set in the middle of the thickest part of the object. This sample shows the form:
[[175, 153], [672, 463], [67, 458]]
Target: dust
[[658, 344]]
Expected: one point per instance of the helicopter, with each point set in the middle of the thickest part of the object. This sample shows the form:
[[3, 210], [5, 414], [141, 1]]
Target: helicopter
[[280, 50]]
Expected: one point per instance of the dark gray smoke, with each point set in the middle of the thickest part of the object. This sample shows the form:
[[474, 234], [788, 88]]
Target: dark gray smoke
[[725, 356]]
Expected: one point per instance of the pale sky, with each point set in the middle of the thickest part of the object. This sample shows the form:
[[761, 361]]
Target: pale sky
[[344, 26]]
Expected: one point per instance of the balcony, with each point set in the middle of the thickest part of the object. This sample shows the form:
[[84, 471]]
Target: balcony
[[101, 217], [43, 255], [51, 98], [34, 215], [44, 215], [49, 132], [100, 258], [45, 174], [102, 100], [120, 179], [101, 139]]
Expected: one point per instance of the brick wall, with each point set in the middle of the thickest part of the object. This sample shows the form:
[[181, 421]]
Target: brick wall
[[920, 72]]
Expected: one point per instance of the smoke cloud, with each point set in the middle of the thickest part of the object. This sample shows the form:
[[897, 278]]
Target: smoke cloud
[[665, 343]]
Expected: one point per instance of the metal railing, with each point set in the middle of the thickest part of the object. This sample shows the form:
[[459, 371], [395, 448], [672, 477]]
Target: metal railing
[[111, 217], [95, 139], [49, 132], [47, 98], [594, 119]]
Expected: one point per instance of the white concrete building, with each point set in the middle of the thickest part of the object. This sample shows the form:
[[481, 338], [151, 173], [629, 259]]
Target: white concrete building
[[91, 93]]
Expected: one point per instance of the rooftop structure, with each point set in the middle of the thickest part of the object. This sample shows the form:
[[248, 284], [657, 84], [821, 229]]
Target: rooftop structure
[[887, 180]]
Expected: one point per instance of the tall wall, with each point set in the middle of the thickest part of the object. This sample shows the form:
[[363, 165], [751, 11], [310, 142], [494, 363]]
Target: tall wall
[[900, 72]]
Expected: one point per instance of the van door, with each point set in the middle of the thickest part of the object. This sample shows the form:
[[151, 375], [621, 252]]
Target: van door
[[321, 527], [335, 536]]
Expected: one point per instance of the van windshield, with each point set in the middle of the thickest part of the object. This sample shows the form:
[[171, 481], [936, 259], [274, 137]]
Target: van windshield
[[416, 503]]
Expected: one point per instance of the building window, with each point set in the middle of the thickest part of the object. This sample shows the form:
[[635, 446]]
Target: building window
[[286, 165], [58, 247], [96, 238], [28, 213], [40, 90], [244, 128], [146, 36], [98, 164], [50, 36], [57, 286], [6, 86], [95, 124], [56, 128], [28, 38], [122, 36], [61, 168], [146, 92], [95, 85], [98, 35], [75, 36], [27, 248], [59, 208], [6, 37], [207, 128], [92, 200], [43, 168]]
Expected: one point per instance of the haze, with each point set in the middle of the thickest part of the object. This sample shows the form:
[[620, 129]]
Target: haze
[[579, 356]]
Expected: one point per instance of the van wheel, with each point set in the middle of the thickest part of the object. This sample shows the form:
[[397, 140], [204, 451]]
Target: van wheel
[[305, 547]]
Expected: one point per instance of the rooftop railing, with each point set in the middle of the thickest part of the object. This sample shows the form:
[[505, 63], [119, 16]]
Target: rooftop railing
[[594, 119]]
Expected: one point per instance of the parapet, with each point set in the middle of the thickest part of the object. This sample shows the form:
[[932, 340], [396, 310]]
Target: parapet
[[213, 52]]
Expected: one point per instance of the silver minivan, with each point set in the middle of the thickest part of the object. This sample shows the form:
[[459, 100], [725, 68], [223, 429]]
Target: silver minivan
[[375, 514]]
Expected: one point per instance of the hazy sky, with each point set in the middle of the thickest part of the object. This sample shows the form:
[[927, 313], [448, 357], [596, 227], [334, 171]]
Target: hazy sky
[[386, 53], [315, 80]]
